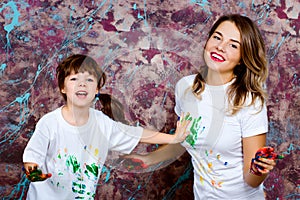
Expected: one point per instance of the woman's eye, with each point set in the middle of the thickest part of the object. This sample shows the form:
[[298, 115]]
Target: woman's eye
[[234, 46], [216, 37]]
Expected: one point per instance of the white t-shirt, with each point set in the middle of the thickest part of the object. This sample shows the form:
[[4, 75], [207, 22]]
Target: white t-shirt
[[75, 155], [215, 142]]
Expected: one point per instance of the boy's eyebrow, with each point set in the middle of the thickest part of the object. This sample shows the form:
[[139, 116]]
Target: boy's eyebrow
[[233, 40]]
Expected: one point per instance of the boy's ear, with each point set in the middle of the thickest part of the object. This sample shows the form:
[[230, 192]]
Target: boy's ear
[[63, 91]]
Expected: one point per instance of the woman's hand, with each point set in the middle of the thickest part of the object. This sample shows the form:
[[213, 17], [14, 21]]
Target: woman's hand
[[34, 174], [264, 161]]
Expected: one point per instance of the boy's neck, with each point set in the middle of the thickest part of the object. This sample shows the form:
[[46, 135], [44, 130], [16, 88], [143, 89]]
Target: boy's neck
[[75, 116]]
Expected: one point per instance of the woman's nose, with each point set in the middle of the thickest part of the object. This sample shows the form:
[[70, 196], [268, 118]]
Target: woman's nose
[[221, 46]]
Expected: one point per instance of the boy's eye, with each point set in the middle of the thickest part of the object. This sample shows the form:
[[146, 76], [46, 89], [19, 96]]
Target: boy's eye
[[90, 80], [73, 79]]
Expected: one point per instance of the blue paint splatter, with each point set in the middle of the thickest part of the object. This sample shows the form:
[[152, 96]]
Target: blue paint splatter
[[107, 171], [180, 181], [14, 16], [2, 68]]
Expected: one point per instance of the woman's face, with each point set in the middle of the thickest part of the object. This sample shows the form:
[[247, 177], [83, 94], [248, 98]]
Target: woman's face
[[223, 50]]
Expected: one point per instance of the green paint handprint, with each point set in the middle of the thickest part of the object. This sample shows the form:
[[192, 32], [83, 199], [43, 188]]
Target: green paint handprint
[[72, 162], [78, 188], [194, 131], [92, 169]]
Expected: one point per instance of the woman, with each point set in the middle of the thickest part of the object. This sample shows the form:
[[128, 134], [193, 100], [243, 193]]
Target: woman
[[227, 104]]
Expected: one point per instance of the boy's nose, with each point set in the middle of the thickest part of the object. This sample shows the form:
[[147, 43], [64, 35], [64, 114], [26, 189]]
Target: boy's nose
[[82, 83]]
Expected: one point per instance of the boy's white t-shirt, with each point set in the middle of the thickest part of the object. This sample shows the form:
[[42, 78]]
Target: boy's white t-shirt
[[75, 155], [215, 141]]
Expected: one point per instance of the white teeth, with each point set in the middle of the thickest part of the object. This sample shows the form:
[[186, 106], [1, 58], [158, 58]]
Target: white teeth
[[81, 93], [217, 56]]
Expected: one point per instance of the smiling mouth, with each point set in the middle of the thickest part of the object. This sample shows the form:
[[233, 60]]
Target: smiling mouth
[[81, 93], [217, 57]]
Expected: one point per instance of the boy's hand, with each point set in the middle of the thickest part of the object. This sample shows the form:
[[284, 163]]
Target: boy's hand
[[134, 164], [34, 174], [181, 130], [264, 161]]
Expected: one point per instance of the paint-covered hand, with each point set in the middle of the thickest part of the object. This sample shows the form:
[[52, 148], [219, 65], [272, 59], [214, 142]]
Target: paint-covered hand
[[34, 174], [134, 163], [182, 128], [264, 161]]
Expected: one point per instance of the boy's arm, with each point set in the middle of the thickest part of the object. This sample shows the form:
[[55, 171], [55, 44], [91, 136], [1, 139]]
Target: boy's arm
[[163, 153], [155, 137]]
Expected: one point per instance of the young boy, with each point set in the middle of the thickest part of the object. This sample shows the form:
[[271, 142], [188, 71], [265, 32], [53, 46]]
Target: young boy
[[72, 141]]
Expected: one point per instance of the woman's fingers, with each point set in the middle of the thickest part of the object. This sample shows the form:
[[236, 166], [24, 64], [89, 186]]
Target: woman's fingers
[[266, 165]]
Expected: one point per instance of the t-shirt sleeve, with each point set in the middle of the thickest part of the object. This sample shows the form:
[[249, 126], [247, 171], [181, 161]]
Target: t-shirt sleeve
[[254, 121], [177, 108], [124, 138], [181, 89], [36, 149]]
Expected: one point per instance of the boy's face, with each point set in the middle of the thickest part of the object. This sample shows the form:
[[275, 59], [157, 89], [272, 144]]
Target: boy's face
[[80, 89]]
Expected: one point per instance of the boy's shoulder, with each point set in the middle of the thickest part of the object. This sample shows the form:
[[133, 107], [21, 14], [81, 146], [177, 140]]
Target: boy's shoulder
[[99, 114], [52, 115]]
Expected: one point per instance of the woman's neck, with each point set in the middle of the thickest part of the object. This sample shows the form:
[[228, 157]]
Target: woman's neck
[[75, 116], [216, 79]]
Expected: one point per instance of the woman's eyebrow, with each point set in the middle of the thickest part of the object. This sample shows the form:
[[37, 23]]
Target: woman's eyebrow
[[233, 40]]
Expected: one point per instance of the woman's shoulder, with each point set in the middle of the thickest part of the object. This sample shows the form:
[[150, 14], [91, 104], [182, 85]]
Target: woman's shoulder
[[252, 107], [186, 80]]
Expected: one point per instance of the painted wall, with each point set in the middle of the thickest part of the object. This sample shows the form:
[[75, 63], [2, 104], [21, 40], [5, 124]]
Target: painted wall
[[144, 47]]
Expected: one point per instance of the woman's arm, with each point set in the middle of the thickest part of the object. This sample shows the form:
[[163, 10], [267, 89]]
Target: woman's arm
[[250, 147]]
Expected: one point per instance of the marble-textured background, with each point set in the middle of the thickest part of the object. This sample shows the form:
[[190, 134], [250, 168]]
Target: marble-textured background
[[144, 47]]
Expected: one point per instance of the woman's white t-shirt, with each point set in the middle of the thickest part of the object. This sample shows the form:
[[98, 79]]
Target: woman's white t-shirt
[[215, 141], [75, 155]]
